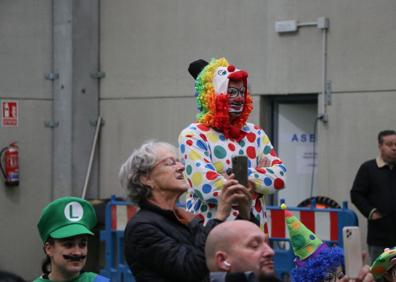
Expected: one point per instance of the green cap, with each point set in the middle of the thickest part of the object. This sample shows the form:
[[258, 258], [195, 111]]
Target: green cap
[[384, 262], [66, 217], [303, 240]]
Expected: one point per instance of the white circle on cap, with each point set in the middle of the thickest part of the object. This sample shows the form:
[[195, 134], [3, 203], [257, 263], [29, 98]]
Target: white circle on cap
[[74, 211]]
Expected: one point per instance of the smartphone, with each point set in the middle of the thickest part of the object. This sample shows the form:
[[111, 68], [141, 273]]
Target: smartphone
[[240, 169], [352, 250]]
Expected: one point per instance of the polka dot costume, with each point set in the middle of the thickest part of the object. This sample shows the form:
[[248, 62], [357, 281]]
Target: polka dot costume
[[207, 155]]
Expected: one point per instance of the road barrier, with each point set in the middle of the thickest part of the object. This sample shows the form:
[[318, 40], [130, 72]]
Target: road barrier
[[327, 223]]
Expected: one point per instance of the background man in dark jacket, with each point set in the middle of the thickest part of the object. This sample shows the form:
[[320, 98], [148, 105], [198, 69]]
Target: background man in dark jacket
[[374, 194]]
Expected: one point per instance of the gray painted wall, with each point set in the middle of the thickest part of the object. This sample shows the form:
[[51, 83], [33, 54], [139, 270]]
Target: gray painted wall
[[145, 47], [25, 56]]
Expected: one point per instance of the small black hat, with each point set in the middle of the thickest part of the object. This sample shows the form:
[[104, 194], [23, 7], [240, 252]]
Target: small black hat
[[196, 67]]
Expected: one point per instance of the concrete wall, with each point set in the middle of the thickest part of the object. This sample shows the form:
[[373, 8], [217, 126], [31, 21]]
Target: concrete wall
[[25, 56], [145, 48]]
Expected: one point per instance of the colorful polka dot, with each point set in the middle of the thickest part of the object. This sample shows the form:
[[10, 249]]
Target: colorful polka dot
[[213, 205], [197, 205], [182, 148], [242, 143], [279, 184], [203, 127], [198, 194], [258, 206], [251, 152], [219, 166], [265, 139], [231, 147], [267, 181], [219, 184], [267, 149], [196, 179], [210, 166], [275, 162], [189, 142], [203, 137], [188, 169], [220, 152], [194, 155], [213, 138], [201, 145], [261, 170], [251, 137], [211, 175]]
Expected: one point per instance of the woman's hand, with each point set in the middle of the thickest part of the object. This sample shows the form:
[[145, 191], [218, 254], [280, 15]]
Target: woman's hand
[[233, 193]]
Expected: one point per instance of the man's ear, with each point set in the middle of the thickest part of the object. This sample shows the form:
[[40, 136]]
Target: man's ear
[[221, 261]]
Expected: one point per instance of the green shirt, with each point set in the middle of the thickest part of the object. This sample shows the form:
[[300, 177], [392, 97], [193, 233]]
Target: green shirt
[[84, 277]]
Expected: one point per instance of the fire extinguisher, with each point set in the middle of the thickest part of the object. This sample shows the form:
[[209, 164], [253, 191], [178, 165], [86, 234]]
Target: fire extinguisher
[[9, 164]]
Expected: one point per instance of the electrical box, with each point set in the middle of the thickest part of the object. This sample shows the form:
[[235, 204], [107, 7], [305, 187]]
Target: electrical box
[[323, 23], [286, 26]]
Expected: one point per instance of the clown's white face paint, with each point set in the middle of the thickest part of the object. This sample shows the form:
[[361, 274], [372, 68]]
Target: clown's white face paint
[[236, 97]]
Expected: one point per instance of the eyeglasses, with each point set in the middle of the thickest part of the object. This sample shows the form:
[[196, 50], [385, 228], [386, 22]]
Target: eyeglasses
[[235, 92], [333, 276], [170, 161]]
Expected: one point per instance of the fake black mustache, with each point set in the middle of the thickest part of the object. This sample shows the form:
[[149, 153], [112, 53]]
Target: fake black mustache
[[74, 258]]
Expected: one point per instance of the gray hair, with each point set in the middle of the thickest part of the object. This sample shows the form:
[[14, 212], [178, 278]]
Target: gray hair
[[139, 163]]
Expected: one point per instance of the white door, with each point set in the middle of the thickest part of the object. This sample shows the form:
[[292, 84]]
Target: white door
[[296, 142]]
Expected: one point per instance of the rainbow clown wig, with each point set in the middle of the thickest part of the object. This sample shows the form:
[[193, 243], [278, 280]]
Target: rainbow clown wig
[[314, 259], [211, 84]]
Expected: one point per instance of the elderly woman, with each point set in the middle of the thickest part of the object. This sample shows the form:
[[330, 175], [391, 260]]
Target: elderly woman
[[162, 241]]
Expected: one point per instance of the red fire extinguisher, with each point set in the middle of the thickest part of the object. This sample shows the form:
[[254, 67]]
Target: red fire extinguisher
[[9, 164]]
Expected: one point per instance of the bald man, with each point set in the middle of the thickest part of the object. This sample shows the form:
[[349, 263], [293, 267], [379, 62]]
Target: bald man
[[239, 246]]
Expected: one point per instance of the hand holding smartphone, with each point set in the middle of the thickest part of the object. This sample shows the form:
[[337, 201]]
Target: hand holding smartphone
[[240, 169], [352, 251]]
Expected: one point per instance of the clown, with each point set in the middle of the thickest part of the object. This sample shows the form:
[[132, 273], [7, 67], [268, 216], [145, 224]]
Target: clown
[[221, 132], [315, 261], [384, 265]]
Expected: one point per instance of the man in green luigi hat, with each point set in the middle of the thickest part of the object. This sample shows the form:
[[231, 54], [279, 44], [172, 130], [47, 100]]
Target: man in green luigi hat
[[64, 227]]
